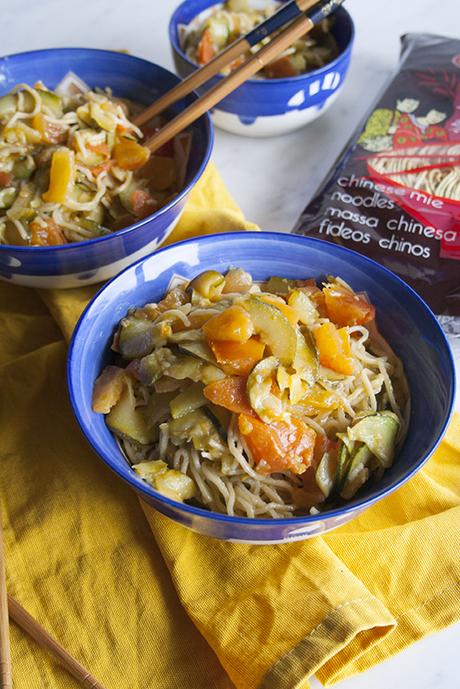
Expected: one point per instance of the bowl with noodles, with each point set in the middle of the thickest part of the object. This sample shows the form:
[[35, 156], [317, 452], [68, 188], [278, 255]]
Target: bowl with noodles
[[81, 196], [260, 387], [289, 93]]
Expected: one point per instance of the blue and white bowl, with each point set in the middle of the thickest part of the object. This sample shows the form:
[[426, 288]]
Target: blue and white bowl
[[85, 263], [404, 319], [268, 107]]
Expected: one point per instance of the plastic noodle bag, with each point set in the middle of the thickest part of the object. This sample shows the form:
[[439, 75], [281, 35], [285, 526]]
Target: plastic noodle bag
[[394, 193]]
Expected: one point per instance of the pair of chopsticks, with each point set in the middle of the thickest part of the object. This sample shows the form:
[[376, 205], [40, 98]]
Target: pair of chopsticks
[[299, 15], [9, 607]]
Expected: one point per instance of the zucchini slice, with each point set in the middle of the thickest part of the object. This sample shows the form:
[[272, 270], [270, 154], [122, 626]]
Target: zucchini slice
[[379, 432], [325, 474], [200, 350], [357, 473], [274, 329], [306, 363], [220, 418], [128, 421], [187, 401]]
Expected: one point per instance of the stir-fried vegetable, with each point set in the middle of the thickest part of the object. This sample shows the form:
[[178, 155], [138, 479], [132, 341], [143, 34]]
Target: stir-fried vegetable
[[280, 445], [173, 484], [61, 176], [238, 358], [128, 420], [129, 155], [334, 348], [252, 397], [273, 328], [108, 389], [231, 394], [344, 307], [234, 324], [206, 37], [73, 167]]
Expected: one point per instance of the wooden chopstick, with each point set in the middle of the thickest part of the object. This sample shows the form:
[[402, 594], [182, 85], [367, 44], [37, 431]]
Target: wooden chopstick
[[6, 681], [24, 620], [287, 12], [266, 54]]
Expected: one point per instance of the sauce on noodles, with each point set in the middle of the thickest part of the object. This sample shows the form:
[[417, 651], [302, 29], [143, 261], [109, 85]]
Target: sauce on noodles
[[260, 400], [72, 167], [214, 30]]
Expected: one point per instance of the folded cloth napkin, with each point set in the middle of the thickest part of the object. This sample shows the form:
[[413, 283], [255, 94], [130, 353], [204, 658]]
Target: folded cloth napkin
[[143, 602]]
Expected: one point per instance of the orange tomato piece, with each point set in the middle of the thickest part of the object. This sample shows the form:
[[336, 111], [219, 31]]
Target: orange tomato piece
[[130, 155], [283, 307], [238, 358], [206, 50], [103, 167], [143, 203], [101, 148], [278, 446], [232, 324], [5, 179], [231, 394], [50, 133], [344, 307], [334, 348], [322, 445], [280, 69], [49, 235]]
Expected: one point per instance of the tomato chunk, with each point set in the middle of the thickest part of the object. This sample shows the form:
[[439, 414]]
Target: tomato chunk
[[101, 148], [232, 324], [334, 348], [231, 394], [206, 49], [278, 446], [344, 307], [102, 167], [238, 358], [130, 155], [46, 235], [5, 179], [322, 445], [143, 203], [280, 69], [50, 133]]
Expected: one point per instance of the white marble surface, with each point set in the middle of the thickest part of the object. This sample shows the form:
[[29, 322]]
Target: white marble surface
[[271, 179]]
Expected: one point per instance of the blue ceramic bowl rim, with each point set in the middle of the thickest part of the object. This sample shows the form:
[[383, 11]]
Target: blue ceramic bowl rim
[[128, 474], [131, 228], [173, 24]]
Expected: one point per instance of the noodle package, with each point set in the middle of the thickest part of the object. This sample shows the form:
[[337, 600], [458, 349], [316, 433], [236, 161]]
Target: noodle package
[[394, 193]]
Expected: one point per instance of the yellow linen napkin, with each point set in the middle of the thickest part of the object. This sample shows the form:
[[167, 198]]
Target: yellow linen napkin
[[145, 603]]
